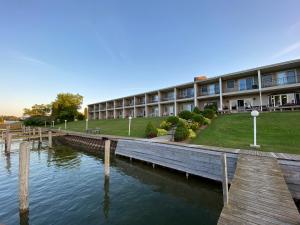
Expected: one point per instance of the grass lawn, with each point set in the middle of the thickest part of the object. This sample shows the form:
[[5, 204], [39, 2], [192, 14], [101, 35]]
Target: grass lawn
[[276, 131], [117, 127]]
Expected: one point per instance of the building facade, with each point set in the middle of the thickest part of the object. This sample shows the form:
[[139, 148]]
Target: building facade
[[272, 87]]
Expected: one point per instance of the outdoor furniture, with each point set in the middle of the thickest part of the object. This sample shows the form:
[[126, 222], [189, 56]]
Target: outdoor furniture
[[93, 131]]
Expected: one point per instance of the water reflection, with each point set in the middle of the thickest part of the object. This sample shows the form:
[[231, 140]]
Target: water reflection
[[64, 156], [106, 200], [8, 163], [24, 218]]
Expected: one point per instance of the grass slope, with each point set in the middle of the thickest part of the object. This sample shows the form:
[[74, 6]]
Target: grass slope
[[117, 127], [276, 131]]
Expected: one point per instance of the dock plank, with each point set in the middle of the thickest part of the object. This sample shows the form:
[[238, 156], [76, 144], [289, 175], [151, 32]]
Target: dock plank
[[259, 194]]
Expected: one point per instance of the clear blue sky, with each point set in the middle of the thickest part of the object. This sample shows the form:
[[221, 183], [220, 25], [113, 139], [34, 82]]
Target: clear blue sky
[[108, 49]]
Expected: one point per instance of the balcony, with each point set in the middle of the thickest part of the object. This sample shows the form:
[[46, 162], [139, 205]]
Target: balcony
[[242, 86], [153, 99], [185, 93], [270, 81], [209, 91]]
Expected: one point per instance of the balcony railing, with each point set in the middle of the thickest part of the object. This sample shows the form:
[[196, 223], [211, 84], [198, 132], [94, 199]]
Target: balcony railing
[[209, 92], [270, 82], [152, 100], [251, 86], [164, 99], [119, 105], [189, 95], [129, 104]]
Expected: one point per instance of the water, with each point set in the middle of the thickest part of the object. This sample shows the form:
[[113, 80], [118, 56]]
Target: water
[[68, 187]]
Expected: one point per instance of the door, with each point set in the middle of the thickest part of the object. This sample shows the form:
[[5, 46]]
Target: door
[[240, 104], [297, 98]]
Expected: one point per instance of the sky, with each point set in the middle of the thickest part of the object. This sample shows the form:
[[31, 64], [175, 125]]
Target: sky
[[109, 49]]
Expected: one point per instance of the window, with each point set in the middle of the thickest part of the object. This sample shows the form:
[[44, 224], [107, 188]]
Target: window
[[230, 84], [242, 84], [212, 89], [267, 80], [204, 89], [291, 77]]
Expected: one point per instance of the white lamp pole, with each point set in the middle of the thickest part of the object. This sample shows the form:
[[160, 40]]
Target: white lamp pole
[[65, 124], [53, 123], [254, 114], [86, 124], [129, 128]]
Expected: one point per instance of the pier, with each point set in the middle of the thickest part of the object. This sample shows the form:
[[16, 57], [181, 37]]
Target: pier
[[259, 194]]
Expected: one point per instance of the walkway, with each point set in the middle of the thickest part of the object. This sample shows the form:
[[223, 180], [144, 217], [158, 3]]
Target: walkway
[[259, 194]]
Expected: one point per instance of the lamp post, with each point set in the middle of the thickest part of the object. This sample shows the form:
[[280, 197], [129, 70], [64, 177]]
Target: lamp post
[[65, 124], [86, 124], [129, 127], [254, 114], [53, 123]]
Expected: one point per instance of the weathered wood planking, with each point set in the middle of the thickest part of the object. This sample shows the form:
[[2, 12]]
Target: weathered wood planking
[[203, 163], [204, 160], [258, 194]]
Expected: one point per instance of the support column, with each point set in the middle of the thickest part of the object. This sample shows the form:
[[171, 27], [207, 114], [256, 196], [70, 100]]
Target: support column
[[123, 112], [8, 137], [195, 94], [221, 94], [134, 107], [24, 159], [114, 109], [259, 88], [106, 113], [159, 106], [146, 108], [175, 103]]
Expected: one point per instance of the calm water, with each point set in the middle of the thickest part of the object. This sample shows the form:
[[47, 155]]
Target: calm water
[[68, 187]]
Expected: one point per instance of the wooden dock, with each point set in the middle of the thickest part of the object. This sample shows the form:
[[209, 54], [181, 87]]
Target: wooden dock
[[259, 194]]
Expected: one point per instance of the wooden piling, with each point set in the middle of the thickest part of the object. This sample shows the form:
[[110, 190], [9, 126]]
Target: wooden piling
[[224, 178], [50, 139], [24, 159], [106, 157], [41, 138], [8, 138], [33, 132]]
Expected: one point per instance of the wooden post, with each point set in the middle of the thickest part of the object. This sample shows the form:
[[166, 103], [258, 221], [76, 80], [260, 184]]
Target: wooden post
[[106, 157], [41, 138], [8, 143], [24, 159], [224, 178], [50, 139], [33, 132]]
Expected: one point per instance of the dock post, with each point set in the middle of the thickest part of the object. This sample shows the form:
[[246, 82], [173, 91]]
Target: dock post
[[106, 157], [8, 138], [50, 139], [41, 139], [224, 178], [24, 159], [33, 132]]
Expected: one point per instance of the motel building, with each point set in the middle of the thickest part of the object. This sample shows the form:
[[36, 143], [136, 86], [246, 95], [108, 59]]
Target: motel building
[[267, 88]]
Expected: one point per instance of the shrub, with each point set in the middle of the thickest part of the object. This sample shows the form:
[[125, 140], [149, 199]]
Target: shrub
[[165, 125], [196, 110], [181, 133], [80, 116], [207, 121], [212, 106], [192, 134], [173, 120], [209, 113], [182, 122], [150, 131], [198, 118], [38, 120], [161, 132], [187, 115], [193, 125]]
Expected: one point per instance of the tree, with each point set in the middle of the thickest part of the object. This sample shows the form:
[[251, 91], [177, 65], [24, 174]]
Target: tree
[[38, 110], [66, 106]]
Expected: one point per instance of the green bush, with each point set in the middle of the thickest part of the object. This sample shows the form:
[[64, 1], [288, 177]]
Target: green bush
[[38, 120], [80, 116], [150, 131], [182, 122], [161, 132], [212, 106], [198, 118], [173, 120], [196, 110], [192, 134], [193, 125], [187, 115], [209, 113], [165, 125], [207, 121], [181, 133]]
